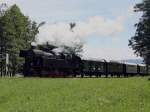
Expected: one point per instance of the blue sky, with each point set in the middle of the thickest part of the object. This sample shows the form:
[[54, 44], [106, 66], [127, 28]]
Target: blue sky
[[96, 45]]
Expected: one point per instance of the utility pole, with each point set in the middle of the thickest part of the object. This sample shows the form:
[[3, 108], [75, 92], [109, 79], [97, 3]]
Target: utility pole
[[1, 70], [2, 58], [7, 63]]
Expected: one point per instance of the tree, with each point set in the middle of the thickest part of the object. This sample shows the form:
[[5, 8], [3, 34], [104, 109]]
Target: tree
[[17, 32], [140, 42], [76, 49]]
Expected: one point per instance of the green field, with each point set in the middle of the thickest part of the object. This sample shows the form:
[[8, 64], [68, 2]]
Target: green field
[[75, 95]]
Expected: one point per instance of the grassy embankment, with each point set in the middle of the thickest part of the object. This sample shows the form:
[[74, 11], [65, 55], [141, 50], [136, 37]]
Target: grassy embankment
[[75, 95]]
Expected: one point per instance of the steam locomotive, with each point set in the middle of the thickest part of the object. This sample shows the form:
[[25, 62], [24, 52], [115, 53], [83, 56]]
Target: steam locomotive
[[39, 63]]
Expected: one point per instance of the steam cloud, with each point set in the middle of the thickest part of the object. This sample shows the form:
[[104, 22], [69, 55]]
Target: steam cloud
[[61, 34]]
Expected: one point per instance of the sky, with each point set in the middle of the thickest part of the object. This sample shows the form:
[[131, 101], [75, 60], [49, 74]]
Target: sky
[[103, 26]]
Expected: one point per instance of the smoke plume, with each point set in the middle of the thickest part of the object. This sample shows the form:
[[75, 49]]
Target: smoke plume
[[62, 34]]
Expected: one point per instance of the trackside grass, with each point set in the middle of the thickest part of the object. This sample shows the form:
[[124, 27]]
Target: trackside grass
[[75, 95]]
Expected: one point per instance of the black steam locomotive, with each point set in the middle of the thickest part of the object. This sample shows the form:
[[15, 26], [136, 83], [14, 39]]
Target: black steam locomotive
[[40, 63]]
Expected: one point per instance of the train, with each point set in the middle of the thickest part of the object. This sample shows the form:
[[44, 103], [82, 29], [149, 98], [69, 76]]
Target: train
[[39, 63]]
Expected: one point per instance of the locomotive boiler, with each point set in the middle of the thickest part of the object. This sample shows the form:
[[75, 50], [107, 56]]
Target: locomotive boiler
[[46, 64]]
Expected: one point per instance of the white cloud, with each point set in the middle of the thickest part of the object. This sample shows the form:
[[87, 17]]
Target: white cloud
[[114, 53]]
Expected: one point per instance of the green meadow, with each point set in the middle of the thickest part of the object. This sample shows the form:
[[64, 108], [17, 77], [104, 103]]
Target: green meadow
[[75, 95]]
